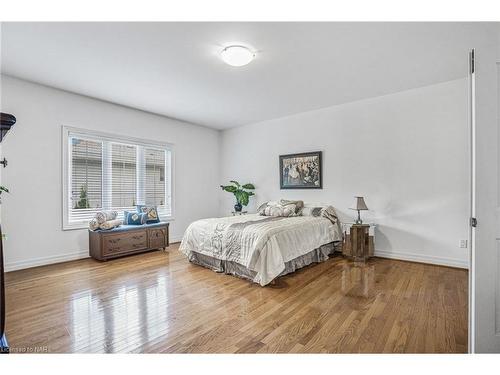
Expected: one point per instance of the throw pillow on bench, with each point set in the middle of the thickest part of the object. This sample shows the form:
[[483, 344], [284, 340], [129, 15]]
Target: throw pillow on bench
[[134, 218]]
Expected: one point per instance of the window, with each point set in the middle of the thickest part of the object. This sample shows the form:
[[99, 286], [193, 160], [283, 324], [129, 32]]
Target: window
[[103, 172], [155, 177], [123, 176]]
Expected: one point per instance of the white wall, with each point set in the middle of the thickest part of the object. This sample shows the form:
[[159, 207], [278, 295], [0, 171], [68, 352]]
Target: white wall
[[31, 213], [407, 153]]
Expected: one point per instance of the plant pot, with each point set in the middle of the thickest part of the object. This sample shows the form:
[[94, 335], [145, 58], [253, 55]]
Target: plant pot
[[238, 207]]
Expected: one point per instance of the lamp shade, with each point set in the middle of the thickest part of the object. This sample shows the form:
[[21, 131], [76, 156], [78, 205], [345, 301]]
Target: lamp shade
[[359, 204]]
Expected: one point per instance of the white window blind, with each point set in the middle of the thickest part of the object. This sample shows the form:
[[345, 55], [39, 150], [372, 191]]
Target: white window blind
[[123, 176], [104, 172], [155, 177], [86, 178]]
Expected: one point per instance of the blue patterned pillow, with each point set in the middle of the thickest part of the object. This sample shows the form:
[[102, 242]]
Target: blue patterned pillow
[[134, 218], [151, 212]]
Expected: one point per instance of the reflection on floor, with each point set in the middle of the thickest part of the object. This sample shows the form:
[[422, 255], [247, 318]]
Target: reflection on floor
[[358, 280], [158, 302]]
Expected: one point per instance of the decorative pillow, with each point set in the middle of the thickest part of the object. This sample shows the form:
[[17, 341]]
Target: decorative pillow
[[103, 216], [110, 224], [327, 212], [93, 224], [282, 208], [311, 211], [134, 218], [262, 206], [299, 205], [330, 213], [151, 212], [276, 209]]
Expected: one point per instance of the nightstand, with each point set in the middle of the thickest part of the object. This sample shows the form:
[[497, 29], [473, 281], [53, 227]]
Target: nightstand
[[238, 213], [358, 240]]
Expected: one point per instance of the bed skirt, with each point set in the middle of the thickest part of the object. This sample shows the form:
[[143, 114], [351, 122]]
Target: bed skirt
[[318, 255]]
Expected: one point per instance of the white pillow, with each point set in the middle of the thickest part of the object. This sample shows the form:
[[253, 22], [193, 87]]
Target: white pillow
[[312, 210], [281, 208]]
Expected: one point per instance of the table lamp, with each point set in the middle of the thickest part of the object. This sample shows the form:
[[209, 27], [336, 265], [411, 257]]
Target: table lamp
[[359, 205]]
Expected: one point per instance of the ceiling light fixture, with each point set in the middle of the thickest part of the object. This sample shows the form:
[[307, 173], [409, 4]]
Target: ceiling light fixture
[[237, 55]]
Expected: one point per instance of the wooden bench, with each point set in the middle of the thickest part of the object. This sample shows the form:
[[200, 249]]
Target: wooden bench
[[127, 240]]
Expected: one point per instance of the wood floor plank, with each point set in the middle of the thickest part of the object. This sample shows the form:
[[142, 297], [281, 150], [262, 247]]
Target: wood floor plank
[[158, 302]]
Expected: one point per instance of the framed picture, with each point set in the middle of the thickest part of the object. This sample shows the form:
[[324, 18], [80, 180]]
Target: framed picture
[[301, 171]]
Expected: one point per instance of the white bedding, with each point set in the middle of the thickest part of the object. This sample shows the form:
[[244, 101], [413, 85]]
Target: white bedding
[[260, 243]]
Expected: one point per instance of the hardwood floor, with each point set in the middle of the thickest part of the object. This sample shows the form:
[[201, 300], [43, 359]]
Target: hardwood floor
[[158, 302]]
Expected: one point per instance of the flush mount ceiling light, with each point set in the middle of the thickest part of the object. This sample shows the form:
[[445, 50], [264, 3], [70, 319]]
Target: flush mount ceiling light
[[237, 55]]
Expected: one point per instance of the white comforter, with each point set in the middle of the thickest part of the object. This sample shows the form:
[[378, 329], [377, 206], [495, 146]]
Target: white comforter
[[261, 243]]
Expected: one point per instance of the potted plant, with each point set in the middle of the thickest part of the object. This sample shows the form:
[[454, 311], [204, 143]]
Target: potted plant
[[240, 192]]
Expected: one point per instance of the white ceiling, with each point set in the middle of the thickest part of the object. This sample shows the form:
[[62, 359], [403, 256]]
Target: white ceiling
[[174, 69]]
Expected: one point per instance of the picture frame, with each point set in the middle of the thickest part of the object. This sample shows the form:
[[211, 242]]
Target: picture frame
[[301, 171]]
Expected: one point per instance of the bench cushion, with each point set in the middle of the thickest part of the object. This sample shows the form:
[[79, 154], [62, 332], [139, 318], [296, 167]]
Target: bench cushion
[[124, 228]]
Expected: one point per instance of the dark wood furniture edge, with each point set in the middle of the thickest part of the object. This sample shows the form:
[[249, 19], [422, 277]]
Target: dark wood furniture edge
[[347, 244], [4, 346], [97, 241]]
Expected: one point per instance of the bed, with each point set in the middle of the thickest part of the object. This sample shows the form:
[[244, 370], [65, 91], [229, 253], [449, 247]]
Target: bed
[[261, 248]]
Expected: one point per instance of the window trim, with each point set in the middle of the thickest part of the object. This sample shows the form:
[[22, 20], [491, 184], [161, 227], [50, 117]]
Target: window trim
[[89, 134]]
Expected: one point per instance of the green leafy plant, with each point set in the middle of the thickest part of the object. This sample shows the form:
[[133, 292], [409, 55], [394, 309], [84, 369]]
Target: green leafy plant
[[3, 189], [84, 201], [241, 192]]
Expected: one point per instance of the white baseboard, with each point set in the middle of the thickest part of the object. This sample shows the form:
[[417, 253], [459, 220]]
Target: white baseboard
[[42, 261], [174, 239], [421, 258], [53, 259]]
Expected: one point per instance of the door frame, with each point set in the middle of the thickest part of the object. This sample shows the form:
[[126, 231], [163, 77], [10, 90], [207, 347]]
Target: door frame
[[471, 114]]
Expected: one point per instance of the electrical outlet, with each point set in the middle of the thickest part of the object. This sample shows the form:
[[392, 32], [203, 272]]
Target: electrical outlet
[[462, 244]]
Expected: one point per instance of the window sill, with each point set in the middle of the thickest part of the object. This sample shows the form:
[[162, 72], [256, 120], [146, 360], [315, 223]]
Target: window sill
[[75, 226]]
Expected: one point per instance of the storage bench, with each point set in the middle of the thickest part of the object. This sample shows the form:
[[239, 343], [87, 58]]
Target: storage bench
[[127, 240]]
